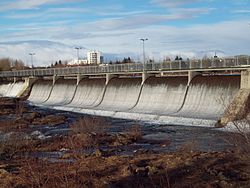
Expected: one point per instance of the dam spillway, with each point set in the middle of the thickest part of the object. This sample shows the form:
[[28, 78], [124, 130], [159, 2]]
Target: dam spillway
[[162, 96], [40, 91], [205, 97], [209, 96], [89, 93], [121, 94], [11, 89], [166, 91], [62, 93]]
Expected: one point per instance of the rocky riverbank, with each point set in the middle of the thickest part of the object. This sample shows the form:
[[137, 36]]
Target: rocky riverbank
[[82, 151]]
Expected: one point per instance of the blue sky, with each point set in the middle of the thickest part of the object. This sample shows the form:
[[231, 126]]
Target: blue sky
[[185, 27]]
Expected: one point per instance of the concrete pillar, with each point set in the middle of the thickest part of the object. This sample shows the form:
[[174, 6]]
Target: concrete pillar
[[245, 79], [109, 77], [79, 78], [145, 76], [15, 79], [29, 81], [191, 75], [55, 78]]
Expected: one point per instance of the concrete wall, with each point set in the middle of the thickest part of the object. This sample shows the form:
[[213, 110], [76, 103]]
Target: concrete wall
[[40, 91], [209, 96], [121, 94], [11, 89], [62, 93], [89, 93], [162, 96], [204, 97]]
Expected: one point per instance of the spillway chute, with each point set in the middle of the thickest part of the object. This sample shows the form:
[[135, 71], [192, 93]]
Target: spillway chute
[[62, 92], [209, 96], [40, 91]]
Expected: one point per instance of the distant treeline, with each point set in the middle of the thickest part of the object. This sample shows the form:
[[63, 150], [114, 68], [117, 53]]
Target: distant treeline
[[7, 64], [58, 64]]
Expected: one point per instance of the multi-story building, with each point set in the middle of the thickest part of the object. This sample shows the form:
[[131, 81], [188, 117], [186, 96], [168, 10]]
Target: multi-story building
[[94, 57]]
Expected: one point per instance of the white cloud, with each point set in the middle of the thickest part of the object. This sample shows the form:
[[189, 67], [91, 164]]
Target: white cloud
[[230, 38], [24, 4], [46, 52], [67, 30], [243, 11], [47, 14], [122, 13], [173, 3], [6, 5], [120, 29]]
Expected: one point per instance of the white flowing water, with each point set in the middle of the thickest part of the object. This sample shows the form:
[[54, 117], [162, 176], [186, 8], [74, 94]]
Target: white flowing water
[[162, 96], [89, 93], [16, 89], [121, 94], [11, 89], [62, 93], [5, 88], [40, 91], [167, 100], [208, 97]]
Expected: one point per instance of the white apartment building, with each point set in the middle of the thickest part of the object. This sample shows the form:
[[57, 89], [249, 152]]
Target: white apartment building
[[94, 57]]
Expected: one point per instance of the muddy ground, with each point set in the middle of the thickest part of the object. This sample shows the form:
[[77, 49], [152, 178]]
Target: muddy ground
[[85, 153]]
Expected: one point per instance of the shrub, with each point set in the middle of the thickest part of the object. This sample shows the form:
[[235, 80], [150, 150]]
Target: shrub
[[240, 136], [89, 124], [14, 144], [135, 132]]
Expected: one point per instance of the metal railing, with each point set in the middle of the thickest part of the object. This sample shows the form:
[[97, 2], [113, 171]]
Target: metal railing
[[132, 68]]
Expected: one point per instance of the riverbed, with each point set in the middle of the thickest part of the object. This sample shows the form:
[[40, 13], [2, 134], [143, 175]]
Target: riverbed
[[50, 148]]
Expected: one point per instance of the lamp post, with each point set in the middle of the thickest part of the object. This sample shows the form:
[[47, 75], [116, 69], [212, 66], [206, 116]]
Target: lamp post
[[143, 48], [77, 52], [31, 59]]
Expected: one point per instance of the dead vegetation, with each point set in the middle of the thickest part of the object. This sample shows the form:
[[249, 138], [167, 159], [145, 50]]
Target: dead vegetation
[[186, 167], [51, 120], [19, 107], [197, 169], [236, 121], [12, 106], [89, 124], [7, 64], [239, 136], [238, 118], [14, 143]]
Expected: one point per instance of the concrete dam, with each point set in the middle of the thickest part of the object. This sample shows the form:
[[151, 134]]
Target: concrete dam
[[206, 97], [155, 92], [11, 89]]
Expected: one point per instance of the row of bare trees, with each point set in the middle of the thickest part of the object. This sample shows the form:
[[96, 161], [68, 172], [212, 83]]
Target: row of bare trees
[[7, 64]]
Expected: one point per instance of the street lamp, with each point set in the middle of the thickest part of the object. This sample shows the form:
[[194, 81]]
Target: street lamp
[[77, 51], [143, 48], [31, 58]]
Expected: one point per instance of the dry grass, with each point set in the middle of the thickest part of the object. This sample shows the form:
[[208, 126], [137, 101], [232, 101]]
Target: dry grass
[[134, 132], [89, 124], [19, 107], [15, 144], [241, 137], [146, 170], [87, 132], [238, 114], [189, 146]]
